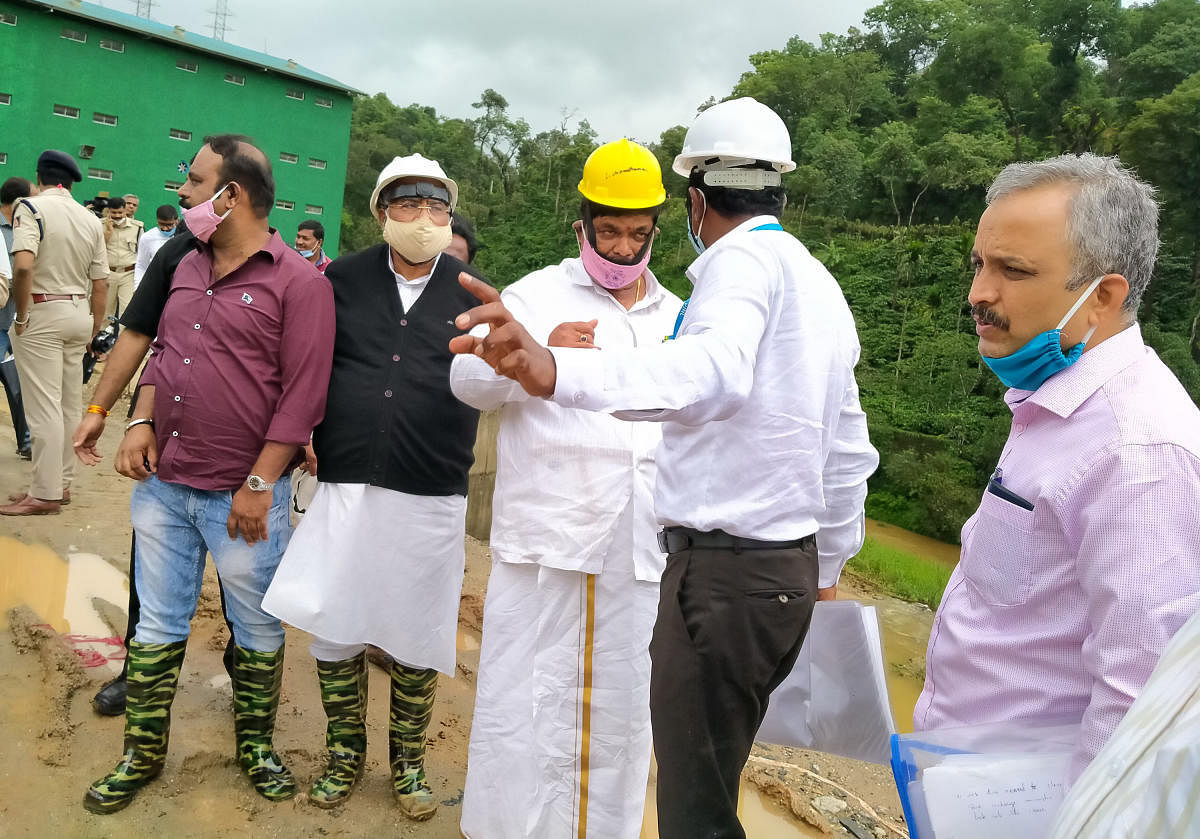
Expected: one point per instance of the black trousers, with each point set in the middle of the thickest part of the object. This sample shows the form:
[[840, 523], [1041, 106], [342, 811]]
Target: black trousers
[[16, 405], [729, 628]]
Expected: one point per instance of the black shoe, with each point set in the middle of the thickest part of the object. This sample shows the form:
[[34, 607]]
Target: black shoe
[[25, 454], [110, 699]]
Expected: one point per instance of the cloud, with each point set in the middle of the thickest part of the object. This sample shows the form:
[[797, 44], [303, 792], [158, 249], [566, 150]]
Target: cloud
[[629, 67]]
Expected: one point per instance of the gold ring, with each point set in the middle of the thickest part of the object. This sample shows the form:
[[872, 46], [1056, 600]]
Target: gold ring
[[583, 339]]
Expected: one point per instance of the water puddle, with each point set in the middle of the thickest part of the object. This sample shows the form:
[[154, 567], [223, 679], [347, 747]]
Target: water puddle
[[467, 640], [761, 817], [913, 543], [60, 592]]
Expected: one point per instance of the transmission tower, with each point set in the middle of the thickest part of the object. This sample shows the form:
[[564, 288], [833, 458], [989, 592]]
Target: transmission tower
[[220, 24], [144, 7]]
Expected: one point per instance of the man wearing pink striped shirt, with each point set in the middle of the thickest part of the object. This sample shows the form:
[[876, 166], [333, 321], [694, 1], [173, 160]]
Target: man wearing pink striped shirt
[[1083, 559]]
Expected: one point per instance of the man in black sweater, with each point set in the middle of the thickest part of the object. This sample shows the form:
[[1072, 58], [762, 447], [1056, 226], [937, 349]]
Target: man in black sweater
[[378, 557]]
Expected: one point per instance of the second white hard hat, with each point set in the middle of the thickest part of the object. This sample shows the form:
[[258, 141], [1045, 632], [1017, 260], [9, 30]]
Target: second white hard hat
[[413, 166], [736, 133]]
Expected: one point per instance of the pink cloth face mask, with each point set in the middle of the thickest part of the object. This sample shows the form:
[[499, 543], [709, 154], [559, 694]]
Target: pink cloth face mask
[[608, 274], [202, 219]]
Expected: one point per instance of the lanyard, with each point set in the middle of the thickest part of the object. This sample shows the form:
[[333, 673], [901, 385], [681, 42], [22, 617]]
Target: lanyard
[[683, 309]]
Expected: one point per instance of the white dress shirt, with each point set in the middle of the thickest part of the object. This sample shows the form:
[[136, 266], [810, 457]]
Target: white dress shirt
[[564, 477], [410, 290], [763, 434], [148, 246]]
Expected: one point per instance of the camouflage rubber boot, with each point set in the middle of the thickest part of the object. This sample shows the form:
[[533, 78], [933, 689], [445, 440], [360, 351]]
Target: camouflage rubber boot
[[256, 680], [411, 710], [344, 695], [153, 676]]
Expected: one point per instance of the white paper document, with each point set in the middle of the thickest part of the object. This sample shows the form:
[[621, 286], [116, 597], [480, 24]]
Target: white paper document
[[989, 796], [835, 699]]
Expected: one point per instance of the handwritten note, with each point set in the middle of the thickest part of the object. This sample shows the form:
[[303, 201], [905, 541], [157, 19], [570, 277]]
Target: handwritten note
[[994, 796]]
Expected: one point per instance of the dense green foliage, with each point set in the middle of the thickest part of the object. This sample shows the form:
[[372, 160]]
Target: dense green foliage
[[897, 128]]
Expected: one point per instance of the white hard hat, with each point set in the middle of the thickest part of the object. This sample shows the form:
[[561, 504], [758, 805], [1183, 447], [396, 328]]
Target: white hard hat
[[413, 166], [738, 132]]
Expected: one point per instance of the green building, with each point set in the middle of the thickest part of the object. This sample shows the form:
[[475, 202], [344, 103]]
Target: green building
[[132, 100]]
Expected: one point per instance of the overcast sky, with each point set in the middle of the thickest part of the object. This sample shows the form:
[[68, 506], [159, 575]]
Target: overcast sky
[[630, 67]]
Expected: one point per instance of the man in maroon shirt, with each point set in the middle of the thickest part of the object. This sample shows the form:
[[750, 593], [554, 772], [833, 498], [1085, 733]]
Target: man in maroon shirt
[[237, 381]]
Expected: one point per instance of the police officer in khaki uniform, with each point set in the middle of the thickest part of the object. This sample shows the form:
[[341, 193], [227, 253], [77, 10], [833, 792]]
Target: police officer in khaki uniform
[[121, 234], [131, 204], [59, 259]]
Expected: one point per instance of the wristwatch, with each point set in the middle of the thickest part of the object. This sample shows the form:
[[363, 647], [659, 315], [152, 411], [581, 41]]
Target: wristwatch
[[257, 484]]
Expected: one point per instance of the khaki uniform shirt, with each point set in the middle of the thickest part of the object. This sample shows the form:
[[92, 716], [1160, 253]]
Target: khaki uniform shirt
[[122, 248], [69, 252]]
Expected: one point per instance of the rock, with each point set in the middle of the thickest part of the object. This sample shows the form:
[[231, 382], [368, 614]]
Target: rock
[[827, 805]]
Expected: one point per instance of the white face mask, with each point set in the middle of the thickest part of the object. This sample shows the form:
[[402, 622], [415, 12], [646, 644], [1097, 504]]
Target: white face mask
[[419, 240]]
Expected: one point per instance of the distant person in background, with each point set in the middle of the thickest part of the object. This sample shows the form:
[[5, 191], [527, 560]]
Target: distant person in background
[[59, 262], [310, 242], [1083, 558], [12, 189], [167, 218], [463, 245], [121, 236], [131, 206]]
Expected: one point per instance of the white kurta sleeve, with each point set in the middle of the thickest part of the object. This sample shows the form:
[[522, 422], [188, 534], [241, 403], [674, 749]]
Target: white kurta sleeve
[[705, 374]]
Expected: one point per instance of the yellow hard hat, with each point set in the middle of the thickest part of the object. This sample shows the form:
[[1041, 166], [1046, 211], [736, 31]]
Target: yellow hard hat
[[623, 175]]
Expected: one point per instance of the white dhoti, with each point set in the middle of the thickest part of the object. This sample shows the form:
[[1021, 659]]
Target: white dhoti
[[368, 565], [560, 740]]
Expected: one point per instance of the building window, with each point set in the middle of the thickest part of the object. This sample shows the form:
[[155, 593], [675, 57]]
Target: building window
[[5, 98], [66, 111], [112, 46], [285, 205], [104, 119], [179, 134], [171, 186], [86, 152], [233, 78], [100, 174], [10, 19], [323, 101], [190, 66], [75, 35], [316, 164], [313, 209], [293, 93], [288, 157], [4, 154]]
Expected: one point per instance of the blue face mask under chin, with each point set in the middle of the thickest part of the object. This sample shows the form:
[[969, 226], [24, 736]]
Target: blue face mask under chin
[[307, 254], [1042, 356]]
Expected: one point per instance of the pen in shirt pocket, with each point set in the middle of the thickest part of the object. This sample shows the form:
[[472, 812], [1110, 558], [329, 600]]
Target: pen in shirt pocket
[[996, 488]]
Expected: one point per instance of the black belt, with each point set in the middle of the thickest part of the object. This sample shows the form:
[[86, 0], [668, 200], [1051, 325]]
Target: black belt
[[674, 539]]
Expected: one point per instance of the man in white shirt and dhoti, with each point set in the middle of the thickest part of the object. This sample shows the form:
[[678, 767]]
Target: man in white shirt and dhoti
[[378, 558], [560, 740]]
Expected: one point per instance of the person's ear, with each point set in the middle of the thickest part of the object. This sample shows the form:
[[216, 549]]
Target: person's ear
[[1110, 297]]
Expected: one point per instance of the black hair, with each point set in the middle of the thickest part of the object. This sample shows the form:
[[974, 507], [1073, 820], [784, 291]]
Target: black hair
[[15, 188], [166, 212], [244, 162], [733, 203], [316, 227], [461, 226], [115, 203], [48, 174]]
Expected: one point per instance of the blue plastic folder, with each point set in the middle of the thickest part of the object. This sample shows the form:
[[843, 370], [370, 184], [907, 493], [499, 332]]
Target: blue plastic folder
[[975, 782]]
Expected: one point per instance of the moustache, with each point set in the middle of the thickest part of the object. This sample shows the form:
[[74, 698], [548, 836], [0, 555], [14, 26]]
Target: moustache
[[986, 316]]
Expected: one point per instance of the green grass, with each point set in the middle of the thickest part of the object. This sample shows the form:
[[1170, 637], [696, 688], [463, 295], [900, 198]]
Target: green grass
[[901, 574]]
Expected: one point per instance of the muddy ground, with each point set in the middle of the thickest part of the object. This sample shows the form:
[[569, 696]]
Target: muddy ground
[[54, 745]]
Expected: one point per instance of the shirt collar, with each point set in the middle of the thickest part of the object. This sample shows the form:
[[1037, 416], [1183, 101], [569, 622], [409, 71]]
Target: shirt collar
[[274, 248], [745, 227], [1066, 390], [580, 276], [400, 278]]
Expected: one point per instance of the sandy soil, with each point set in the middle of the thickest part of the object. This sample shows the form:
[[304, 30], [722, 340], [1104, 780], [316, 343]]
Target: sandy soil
[[55, 745]]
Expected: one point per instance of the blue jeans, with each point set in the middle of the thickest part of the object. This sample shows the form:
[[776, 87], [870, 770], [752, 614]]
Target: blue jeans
[[175, 526]]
